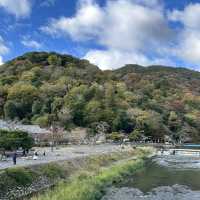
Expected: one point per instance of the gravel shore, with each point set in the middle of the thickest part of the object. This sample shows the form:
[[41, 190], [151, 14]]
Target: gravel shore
[[62, 153]]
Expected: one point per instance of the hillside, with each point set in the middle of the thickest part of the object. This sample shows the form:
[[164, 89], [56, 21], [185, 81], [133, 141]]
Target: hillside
[[49, 88]]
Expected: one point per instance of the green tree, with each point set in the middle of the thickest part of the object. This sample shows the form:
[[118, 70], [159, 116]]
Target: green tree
[[93, 111], [42, 121], [135, 135], [54, 60], [174, 122], [116, 137], [23, 96], [10, 110], [123, 122], [75, 101], [12, 140], [36, 107]]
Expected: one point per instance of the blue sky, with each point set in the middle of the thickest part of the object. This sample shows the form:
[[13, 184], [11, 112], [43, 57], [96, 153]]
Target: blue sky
[[109, 33]]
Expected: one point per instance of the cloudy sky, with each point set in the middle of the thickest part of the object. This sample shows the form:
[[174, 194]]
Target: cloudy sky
[[109, 33]]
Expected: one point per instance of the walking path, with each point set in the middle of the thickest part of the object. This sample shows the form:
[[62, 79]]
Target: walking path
[[61, 153]]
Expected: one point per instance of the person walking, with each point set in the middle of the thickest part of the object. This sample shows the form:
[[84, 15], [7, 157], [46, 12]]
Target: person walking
[[14, 158]]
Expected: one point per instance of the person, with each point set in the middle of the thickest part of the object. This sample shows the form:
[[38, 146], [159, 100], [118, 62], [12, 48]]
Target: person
[[35, 157], [24, 152], [44, 153], [15, 158], [162, 151]]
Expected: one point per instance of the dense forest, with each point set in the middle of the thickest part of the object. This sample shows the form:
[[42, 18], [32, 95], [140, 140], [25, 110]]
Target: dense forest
[[52, 89]]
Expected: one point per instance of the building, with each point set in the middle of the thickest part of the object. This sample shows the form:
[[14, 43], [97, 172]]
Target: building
[[34, 130]]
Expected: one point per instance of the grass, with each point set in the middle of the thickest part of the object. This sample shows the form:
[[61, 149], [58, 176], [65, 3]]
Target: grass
[[52, 171], [21, 176], [91, 185], [79, 179]]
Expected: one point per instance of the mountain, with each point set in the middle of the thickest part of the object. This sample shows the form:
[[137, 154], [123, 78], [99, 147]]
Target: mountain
[[49, 88]]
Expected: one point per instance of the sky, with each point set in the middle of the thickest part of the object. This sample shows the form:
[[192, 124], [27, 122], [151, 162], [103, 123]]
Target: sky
[[109, 33]]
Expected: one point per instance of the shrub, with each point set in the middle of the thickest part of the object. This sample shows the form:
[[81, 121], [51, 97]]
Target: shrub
[[135, 135], [115, 136], [52, 171], [21, 176]]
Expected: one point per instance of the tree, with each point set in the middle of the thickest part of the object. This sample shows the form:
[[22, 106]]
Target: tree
[[36, 107], [57, 104], [174, 122], [13, 140], [10, 110], [24, 93], [42, 121], [122, 122], [54, 60], [99, 128], [23, 96], [149, 122], [135, 135], [93, 111], [75, 101], [116, 137]]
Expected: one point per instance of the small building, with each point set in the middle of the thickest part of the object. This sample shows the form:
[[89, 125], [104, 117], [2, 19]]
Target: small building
[[34, 130]]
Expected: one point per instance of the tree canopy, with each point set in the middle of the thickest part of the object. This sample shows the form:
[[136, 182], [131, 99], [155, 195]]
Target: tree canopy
[[45, 88], [13, 140]]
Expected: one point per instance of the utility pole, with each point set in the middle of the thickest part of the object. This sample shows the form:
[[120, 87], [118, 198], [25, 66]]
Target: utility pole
[[54, 130]]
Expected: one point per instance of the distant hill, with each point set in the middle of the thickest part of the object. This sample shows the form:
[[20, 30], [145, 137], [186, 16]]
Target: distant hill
[[48, 88]]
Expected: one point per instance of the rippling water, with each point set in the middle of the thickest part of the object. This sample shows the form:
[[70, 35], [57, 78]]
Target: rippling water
[[178, 161], [168, 177]]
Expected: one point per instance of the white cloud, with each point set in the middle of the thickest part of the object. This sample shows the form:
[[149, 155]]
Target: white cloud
[[188, 47], [19, 8], [3, 48], [128, 29], [132, 31], [86, 24], [48, 3], [30, 43], [1, 60], [138, 24], [189, 17], [112, 59]]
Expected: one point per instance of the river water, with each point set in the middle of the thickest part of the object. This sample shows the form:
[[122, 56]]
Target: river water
[[166, 177]]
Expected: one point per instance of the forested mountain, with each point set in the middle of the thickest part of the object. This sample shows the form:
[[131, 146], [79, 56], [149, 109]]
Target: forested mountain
[[49, 88]]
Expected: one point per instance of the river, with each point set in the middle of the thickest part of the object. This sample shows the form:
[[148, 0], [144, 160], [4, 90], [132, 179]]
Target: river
[[164, 177]]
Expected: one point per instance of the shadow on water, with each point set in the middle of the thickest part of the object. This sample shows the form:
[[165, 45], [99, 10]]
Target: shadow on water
[[154, 175]]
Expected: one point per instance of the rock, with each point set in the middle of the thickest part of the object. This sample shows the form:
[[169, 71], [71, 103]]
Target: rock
[[176, 192]]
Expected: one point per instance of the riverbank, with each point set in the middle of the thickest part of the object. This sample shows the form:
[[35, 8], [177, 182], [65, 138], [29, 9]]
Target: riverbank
[[18, 182], [61, 153], [91, 183], [164, 177]]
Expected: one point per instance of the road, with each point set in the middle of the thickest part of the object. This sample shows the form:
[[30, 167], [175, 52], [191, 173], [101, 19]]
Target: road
[[61, 153]]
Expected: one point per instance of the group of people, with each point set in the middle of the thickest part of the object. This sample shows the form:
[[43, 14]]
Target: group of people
[[35, 156]]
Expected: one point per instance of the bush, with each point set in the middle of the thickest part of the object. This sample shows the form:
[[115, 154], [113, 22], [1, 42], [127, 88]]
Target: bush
[[10, 110], [21, 176], [42, 121], [135, 135], [11, 140], [115, 136], [52, 171]]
